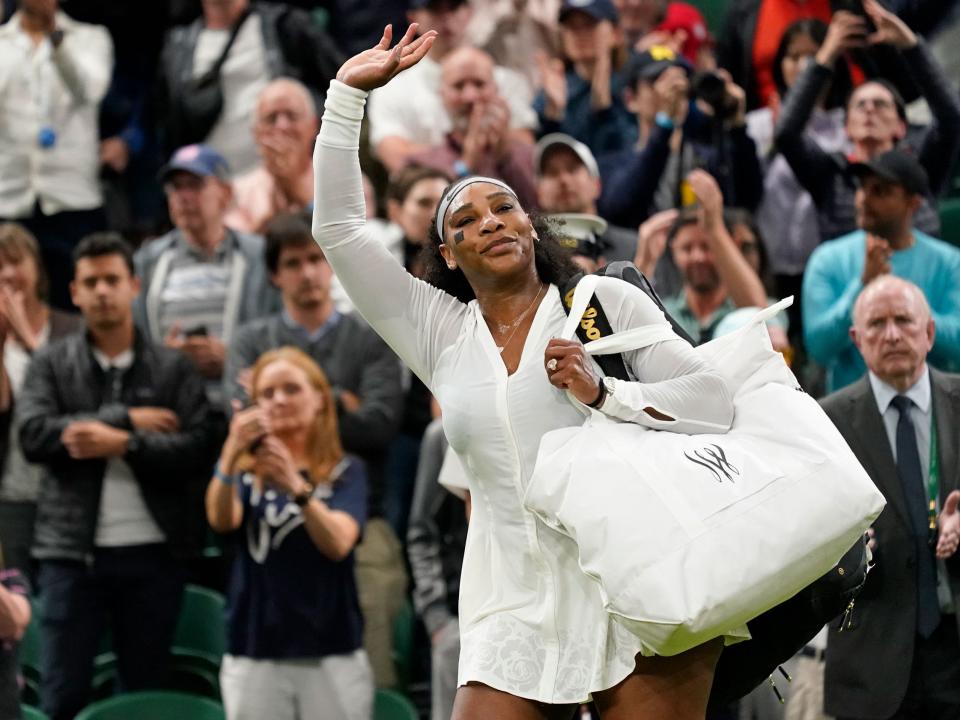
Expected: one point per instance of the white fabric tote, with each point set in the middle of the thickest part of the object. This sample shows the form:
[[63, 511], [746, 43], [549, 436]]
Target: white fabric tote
[[691, 536]]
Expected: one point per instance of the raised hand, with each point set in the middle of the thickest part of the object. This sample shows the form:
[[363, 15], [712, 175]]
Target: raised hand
[[890, 28], [375, 67], [709, 196], [652, 240], [877, 258], [553, 79], [949, 537], [846, 32]]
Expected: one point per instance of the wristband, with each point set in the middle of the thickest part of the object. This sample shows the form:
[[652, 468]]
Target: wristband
[[665, 121], [221, 476], [601, 396]]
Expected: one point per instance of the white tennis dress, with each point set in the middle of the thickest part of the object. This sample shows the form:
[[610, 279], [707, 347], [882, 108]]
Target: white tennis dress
[[531, 623]]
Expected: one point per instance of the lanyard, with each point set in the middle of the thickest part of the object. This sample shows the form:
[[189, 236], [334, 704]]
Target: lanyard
[[933, 477]]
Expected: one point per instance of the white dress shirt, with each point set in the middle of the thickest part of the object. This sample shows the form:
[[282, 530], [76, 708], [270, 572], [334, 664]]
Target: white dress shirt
[[60, 89]]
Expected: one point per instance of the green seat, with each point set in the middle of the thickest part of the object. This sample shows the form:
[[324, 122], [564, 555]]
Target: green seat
[[950, 220], [31, 713], [186, 675], [201, 632], [390, 705], [403, 644], [30, 645], [153, 706]]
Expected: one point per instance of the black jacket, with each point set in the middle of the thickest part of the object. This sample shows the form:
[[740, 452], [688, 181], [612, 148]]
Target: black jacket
[[294, 44], [827, 177], [65, 383]]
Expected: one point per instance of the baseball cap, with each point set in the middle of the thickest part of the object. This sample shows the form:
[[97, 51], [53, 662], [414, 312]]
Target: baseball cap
[[580, 233], [597, 9], [651, 62], [197, 159], [897, 167], [555, 140], [683, 16]]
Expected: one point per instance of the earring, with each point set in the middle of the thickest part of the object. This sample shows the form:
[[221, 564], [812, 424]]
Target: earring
[[452, 266]]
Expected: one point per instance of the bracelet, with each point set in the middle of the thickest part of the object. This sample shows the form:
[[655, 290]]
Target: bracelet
[[601, 396], [222, 476], [664, 120]]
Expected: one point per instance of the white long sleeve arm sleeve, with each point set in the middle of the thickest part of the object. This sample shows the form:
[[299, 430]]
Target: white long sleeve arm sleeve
[[416, 319], [670, 377]]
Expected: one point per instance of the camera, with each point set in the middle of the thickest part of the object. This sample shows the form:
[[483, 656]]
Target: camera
[[712, 90]]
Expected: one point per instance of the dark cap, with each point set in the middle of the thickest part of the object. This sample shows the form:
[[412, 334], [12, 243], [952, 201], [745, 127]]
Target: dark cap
[[435, 5], [597, 9], [897, 167], [651, 62], [200, 160]]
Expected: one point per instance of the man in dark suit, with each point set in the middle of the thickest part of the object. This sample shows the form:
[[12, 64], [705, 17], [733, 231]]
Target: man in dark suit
[[898, 652]]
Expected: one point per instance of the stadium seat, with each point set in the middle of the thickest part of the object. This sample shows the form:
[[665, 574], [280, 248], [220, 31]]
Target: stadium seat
[[950, 220], [390, 705], [201, 632], [153, 706], [403, 644], [31, 713]]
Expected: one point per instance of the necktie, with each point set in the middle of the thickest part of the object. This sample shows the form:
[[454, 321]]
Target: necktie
[[911, 480]]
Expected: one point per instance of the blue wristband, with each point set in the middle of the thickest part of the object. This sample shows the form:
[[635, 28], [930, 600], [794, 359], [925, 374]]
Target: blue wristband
[[221, 476], [664, 121]]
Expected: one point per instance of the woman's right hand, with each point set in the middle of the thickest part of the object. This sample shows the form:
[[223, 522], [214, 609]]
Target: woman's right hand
[[375, 67], [246, 427]]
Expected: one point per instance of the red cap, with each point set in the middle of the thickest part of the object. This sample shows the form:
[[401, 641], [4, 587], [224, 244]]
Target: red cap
[[682, 16]]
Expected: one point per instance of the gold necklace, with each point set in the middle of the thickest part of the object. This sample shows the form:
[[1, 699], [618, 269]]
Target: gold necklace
[[516, 323]]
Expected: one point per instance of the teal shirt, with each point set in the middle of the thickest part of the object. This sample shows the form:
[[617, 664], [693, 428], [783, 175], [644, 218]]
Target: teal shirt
[[678, 308], [831, 284]]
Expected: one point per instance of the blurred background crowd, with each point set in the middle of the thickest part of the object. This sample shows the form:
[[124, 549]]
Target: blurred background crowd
[[156, 184]]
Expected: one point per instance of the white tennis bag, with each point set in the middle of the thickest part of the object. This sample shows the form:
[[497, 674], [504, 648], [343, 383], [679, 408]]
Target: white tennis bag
[[691, 536]]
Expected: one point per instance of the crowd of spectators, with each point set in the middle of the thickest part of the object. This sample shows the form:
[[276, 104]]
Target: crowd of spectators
[[163, 304]]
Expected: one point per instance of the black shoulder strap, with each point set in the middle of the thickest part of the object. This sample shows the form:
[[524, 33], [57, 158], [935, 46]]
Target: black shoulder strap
[[595, 325]]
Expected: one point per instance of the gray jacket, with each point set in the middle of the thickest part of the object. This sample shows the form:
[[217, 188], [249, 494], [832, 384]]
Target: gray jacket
[[250, 295]]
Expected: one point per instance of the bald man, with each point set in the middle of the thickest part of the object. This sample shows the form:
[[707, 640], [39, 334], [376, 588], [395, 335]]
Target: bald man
[[899, 654], [479, 141], [284, 128]]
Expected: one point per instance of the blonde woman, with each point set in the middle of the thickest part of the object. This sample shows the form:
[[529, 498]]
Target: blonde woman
[[294, 628]]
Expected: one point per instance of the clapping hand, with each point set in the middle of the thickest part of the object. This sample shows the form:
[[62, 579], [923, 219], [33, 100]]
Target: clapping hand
[[375, 67], [14, 315], [949, 523], [652, 240], [276, 466]]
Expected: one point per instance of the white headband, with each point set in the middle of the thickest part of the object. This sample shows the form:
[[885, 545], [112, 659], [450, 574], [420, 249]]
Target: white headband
[[455, 190]]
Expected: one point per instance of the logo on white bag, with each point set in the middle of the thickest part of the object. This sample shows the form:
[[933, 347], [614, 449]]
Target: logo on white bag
[[714, 459]]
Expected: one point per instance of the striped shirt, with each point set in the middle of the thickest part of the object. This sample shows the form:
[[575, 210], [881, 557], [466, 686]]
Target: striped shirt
[[194, 294]]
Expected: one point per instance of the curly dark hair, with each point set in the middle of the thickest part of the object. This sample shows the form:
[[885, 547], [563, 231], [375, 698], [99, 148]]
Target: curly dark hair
[[554, 262]]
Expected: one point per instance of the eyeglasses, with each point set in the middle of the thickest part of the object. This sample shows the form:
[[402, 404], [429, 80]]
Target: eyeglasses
[[875, 103]]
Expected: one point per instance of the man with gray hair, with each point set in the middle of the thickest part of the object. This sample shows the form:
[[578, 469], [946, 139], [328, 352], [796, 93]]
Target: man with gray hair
[[284, 127], [898, 654]]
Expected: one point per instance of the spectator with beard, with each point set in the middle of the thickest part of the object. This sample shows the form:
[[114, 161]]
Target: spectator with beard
[[479, 141], [284, 128], [568, 181], [892, 188], [717, 278]]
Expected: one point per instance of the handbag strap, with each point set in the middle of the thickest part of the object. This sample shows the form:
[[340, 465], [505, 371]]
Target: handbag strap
[[640, 337], [620, 342], [234, 31]]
